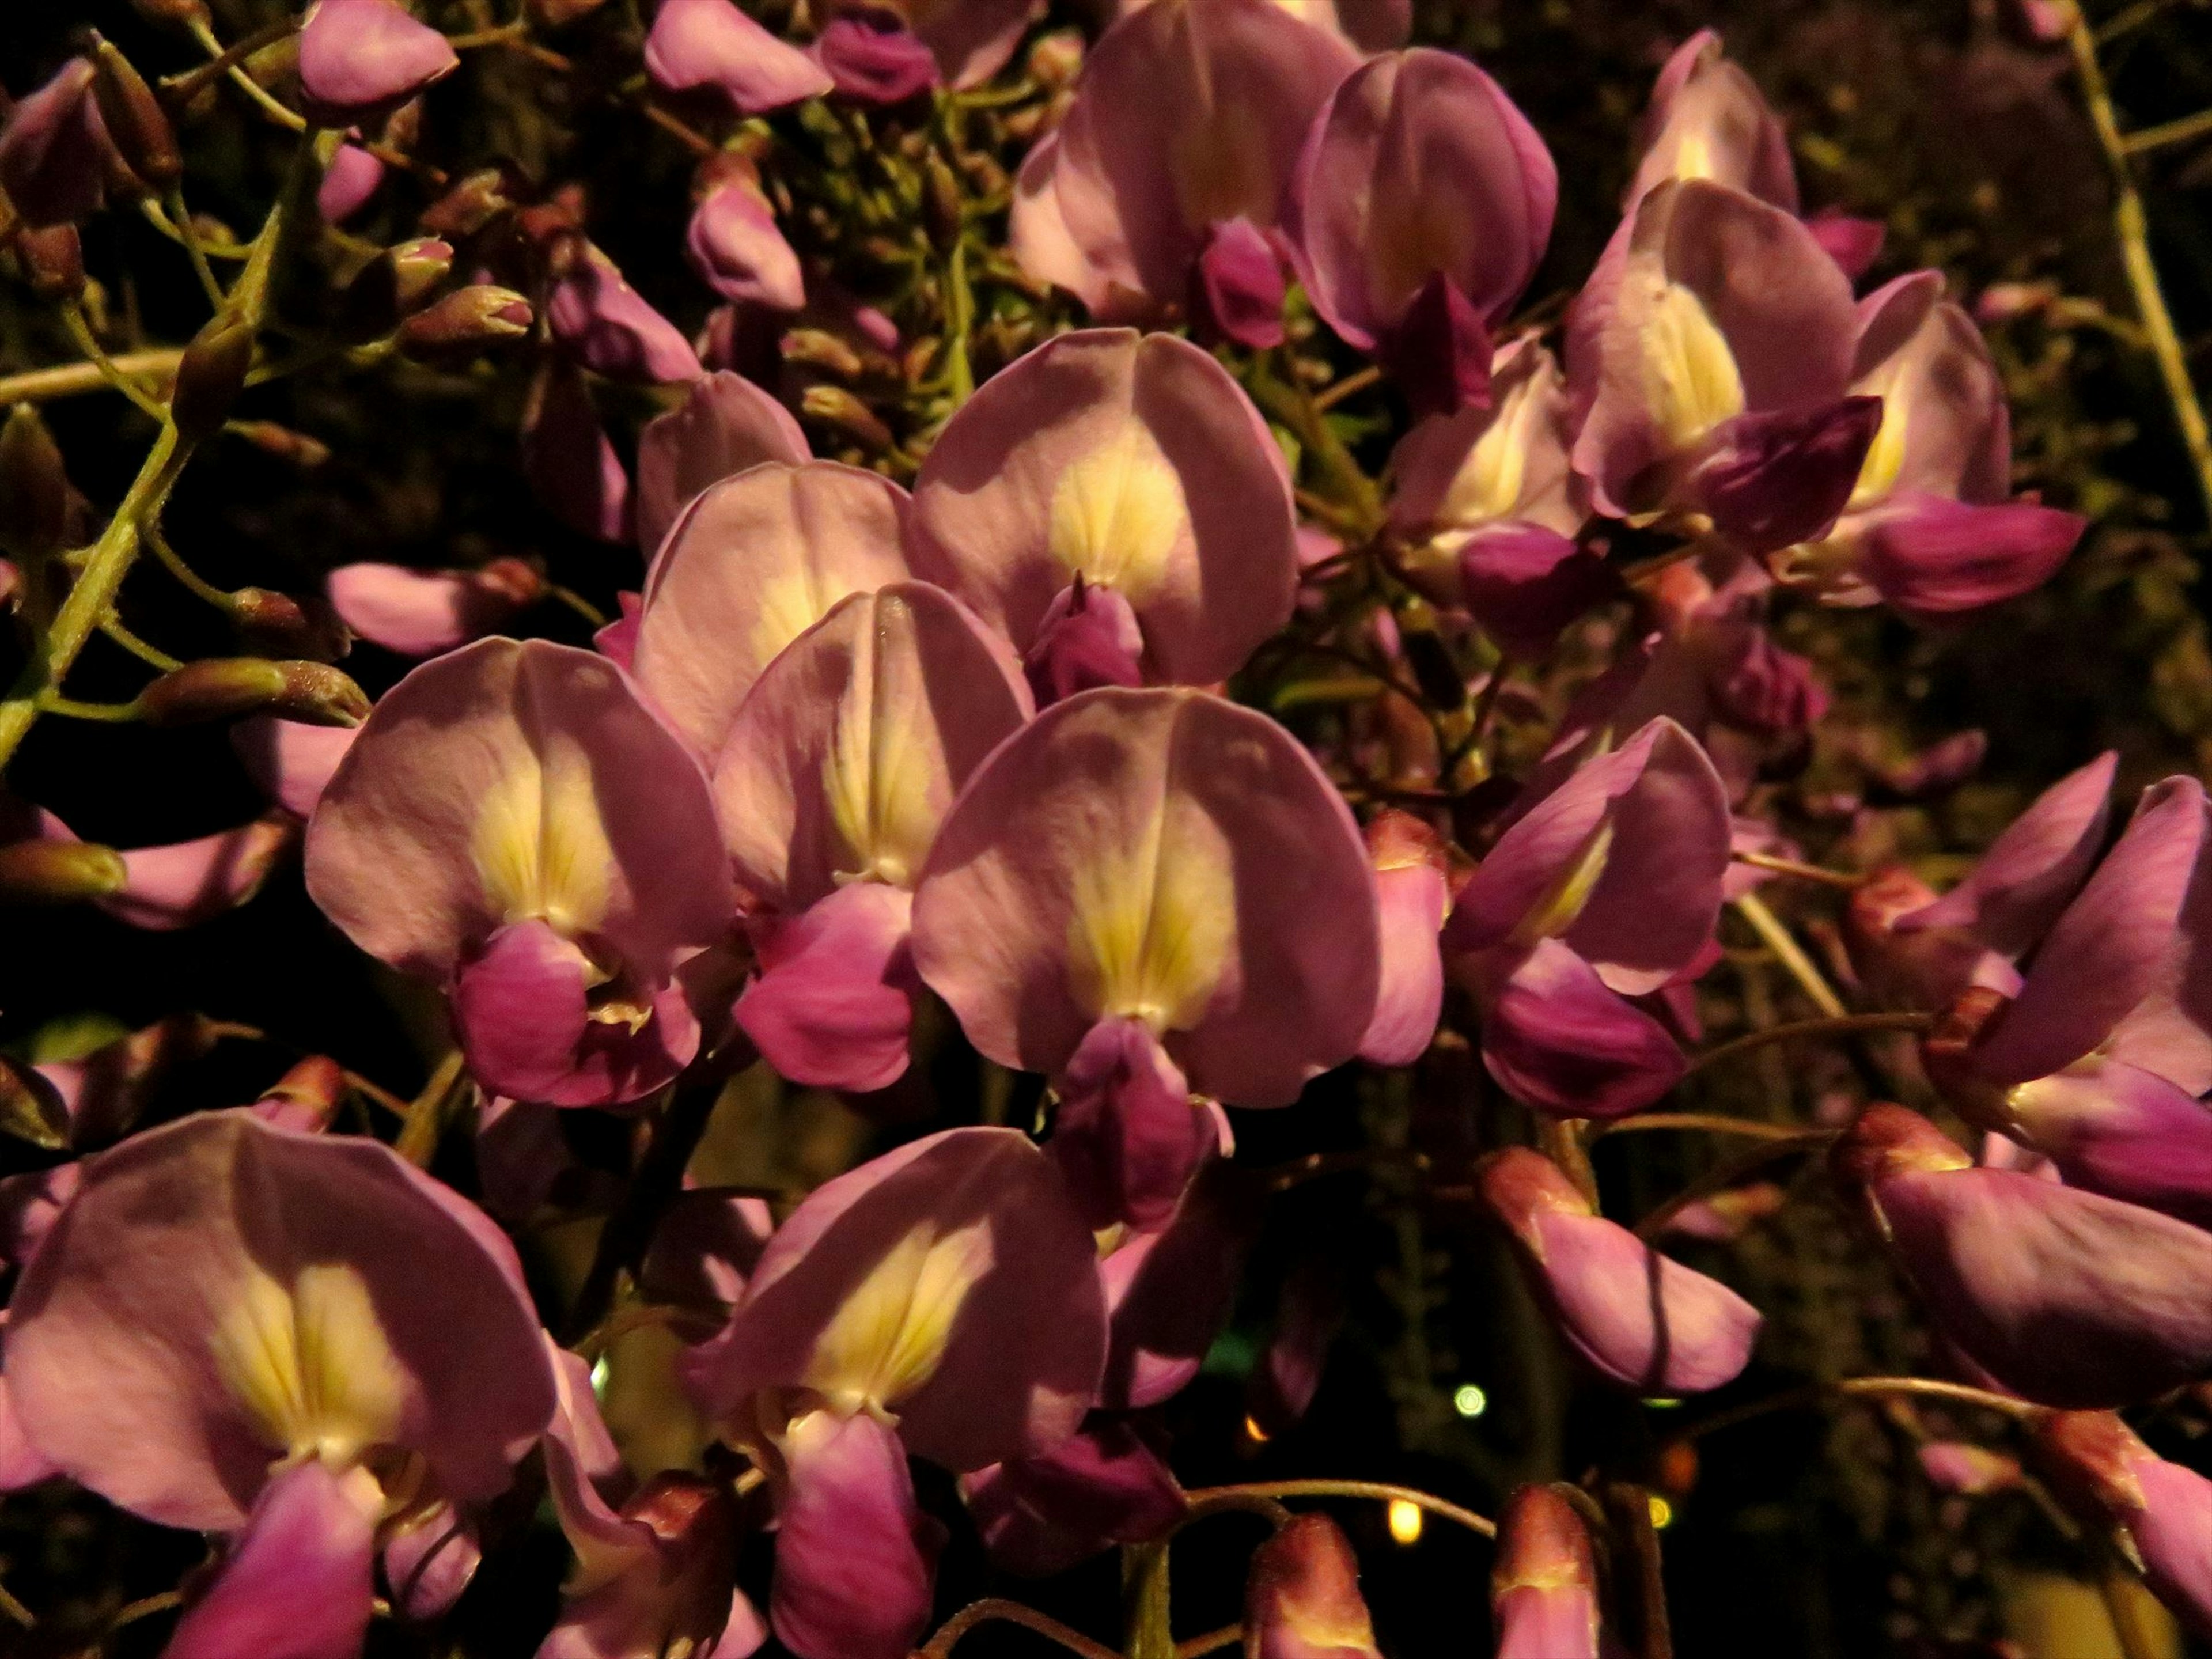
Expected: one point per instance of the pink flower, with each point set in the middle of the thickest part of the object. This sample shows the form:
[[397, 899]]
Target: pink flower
[[839, 766], [2068, 1298], [608, 328], [1931, 526], [55, 153], [1418, 212], [349, 184], [1715, 359], [1186, 116], [1641, 1321], [2163, 1510], [185, 883], [1302, 1596], [1608, 888], [1110, 469], [971, 40], [875, 60], [1141, 888], [1543, 1586], [1708, 120], [940, 1300], [738, 250], [424, 613], [724, 425], [1103, 1485], [359, 58], [1410, 873], [568, 460], [293, 1333], [701, 44], [513, 824], [752, 563]]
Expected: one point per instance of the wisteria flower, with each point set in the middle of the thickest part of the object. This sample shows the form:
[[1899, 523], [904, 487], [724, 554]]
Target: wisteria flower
[[512, 824], [1544, 1585], [724, 425]]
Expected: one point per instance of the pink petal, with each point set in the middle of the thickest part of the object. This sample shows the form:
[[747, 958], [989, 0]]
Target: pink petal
[[834, 1003], [1241, 285], [1708, 119], [710, 43], [1302, 1596], [292, 762], [2066, 1297], [1926, 359], [570, 462], [2018, 889], [1439, 351], [391, 853], [617, 640], [154, 1250], [724, 425], [360, 57], [848, 750], [430, 1565], [1543, 1586], [1776, 477], [855, 1559], [349, 183], [424, 613], [738, 250], [1106, 1486], [1523, 584], [1090, 413], [1089, 637], [1053, 827], [1410, 875], [2114, 1129], [195, 881], [2114, 945], [1127, 1133], [1309, 1316], [874, 60], [971, 40], [1853, 244], [1953, 1466], [1022, 1360], [298, 1584], [670, 1590], [1930, 556], [1441, 487], [1419, 168], [1171, 1289], [752, 564], [21, 1464], [55, 152], [606, 325]]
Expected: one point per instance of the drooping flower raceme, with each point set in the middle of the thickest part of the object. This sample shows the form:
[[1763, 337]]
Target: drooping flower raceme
[[1142, 894], [942, 1300], [298, 1340], [514, 824], [841, 762], [1113, 504]]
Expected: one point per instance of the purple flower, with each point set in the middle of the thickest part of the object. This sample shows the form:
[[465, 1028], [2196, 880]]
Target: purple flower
[[1104, 1485], [700, 43], [514, 824], [738, 252], [608, 328], [1418, 212], [1134, 469], [55, 153], [840, 765], [360, 58], [424, 613], [874, 59]]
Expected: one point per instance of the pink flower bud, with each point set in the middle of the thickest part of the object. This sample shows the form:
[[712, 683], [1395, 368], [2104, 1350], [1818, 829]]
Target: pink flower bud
[[738, 251], [464, 322], [1543, 1586], [359, 58], [1302, 1598], [696, 44], [55, 151]]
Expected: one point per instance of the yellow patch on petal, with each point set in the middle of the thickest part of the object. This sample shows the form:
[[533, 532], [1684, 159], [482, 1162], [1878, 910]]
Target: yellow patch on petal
[[1487, 486], [1555, 912], [1155, 923], [540, 848], [1690, 377], [877, 776], [1694, 156], [789, 604], [1885, 457], [1119, 512], [312, 1363], [889, 1336]]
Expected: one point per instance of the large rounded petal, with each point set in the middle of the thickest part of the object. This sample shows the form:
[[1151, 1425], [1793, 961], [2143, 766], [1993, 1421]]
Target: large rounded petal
[[753, 563], [2020, 887], [1163, 855], [235, 1286], [950, 1282], [1135, 462], [510, 783], [724, 425], [1708, 120]]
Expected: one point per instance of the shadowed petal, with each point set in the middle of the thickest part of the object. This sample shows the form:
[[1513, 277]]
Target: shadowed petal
[[298, 1584], [2019, 887], [724, 425], [710, 43], [854, 1557], [1105, 1486]]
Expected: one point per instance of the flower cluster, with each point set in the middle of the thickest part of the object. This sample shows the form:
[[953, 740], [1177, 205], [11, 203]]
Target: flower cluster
[[1021, 657]]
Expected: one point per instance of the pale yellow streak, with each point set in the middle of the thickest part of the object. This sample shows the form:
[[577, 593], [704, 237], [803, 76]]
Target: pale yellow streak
[[1885, 457], [1555, 912], [1691, 381], [889, 1336], [1118, 513], [1154, 922], [540, 848], [311, 1364], [1487, 486], [878, 773]]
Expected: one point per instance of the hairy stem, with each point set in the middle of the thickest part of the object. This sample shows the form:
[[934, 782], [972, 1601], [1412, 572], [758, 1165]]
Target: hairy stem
[[1383, 1492], [1013, 1612], [1840, 1025]]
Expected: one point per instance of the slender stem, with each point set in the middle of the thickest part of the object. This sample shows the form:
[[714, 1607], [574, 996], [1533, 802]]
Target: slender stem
[[1841, 1025], [1711, 1122], [172, 561], [2143, 139], [2132, 227], [1779, 940], [688, 136], [1380, 1491], [1858, 1388], [182, 88], [1287, 399], [426, 1114], [152, 655], [1013, 1612], [1227, 1637], [1350, 385], [15, 1610], [114, 714], [1229, 1500], [659, 1176], [1726, 1173], [959, 319], [181, 217], [1782, 866], [80, 331], [1640, 1585], [577, 602], [37, 386]]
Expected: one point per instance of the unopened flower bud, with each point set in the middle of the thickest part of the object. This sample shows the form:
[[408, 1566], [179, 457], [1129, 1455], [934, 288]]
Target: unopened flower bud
[[1302, 1599], [31, 1108], [471, 204], [940, 201], [306, 1097], [1057, 59], [33, 489], [52, 260], [391, 286], [55, 153], [281, 625], [836, 407], [226, 687], [465, 321], [136, 123], [211, 376], [1543, 1584], [283, 442], [819, 350], [59, 873]]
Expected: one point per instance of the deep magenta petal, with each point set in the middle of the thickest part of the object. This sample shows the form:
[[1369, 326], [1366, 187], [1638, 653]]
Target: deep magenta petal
[[1931, 557], [1438, 350], [1089, 637], [874, 59], [1778, 477], [855, 1557], [1523, 584], [1241, 285], [1128, 1133], [1555, 1038], [1105, 1486], [298, 1584], [834, 1003]]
